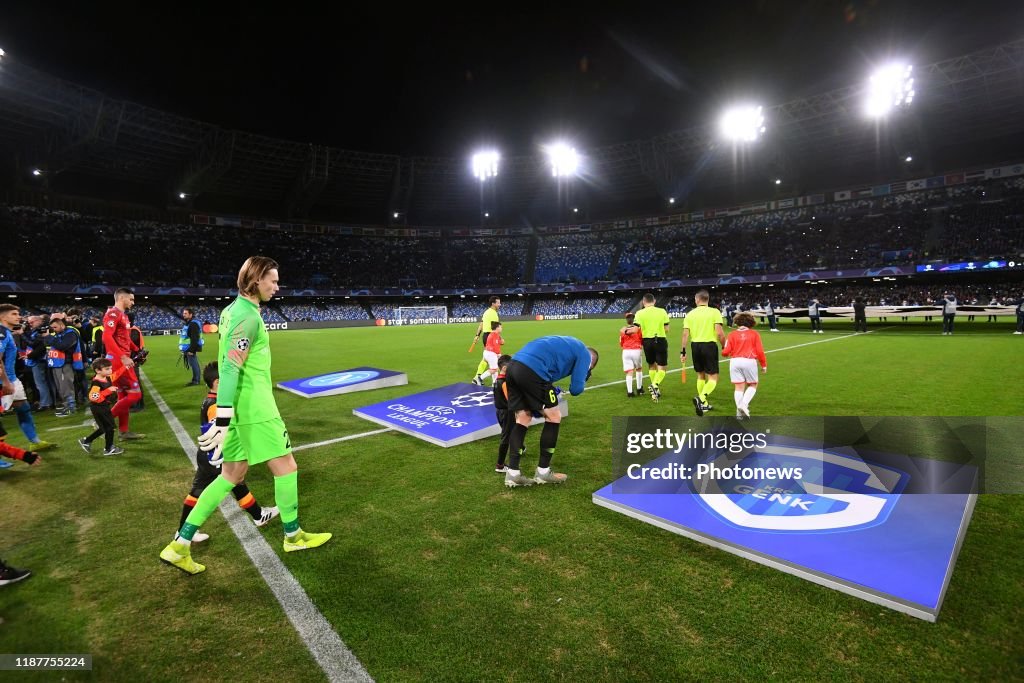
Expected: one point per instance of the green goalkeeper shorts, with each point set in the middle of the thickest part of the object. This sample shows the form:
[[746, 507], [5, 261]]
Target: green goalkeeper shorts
[[257, 442]]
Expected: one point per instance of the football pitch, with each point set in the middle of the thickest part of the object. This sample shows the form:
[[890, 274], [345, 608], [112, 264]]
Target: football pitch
[[438, 572]]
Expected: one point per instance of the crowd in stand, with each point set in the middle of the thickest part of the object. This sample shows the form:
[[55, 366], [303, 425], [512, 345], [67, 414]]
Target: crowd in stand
[[845, 295], [957, 223], [569, 306]]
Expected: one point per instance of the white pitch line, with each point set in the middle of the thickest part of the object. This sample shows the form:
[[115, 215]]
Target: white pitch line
[[341, 438], [723, 360], [319, 637], [85, 423]]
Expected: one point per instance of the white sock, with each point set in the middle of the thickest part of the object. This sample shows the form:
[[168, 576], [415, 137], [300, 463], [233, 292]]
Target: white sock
[[513, 473], [748, 396], [629, 383], [639, 381], [738, 397], [543, 470], [179, 539], [293, 534]]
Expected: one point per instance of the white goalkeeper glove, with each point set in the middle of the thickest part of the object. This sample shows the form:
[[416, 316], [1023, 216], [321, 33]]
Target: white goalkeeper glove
[[213, 438]]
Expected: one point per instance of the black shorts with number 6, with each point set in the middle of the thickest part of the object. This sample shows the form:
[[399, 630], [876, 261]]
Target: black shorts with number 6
[[526, 390], [656, 350]]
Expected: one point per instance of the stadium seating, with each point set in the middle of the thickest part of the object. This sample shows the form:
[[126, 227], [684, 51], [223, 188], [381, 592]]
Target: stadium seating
[[569, 306], [964, 222]]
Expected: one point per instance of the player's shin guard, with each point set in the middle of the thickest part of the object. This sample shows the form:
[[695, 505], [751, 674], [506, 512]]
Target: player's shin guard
[[515, 445], [247, 501], [186, 509], [121, 408], [748, 395], [205, 505], [709, 386], [25, 421], [548, 440], [286, 493]]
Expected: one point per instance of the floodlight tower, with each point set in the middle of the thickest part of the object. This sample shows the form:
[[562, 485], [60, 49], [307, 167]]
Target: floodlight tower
[[889, 88], [485, 167], [743, 123]]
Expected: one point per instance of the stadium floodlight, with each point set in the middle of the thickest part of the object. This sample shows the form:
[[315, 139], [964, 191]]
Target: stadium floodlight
[[671, 200], [487, 214], [485, 164], [37, 172], [909, 159], [575, 210], [563, 158], [743, 124], [778, 181], [2, 53], [394, 215], [889, 87], [182, 195]]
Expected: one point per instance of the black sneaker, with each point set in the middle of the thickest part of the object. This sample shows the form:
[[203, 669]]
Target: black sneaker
[[698, 406], [9, 574]]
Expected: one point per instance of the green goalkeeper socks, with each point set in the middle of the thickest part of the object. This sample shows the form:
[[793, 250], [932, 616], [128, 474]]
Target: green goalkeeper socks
[[286, 495], [205, 505]]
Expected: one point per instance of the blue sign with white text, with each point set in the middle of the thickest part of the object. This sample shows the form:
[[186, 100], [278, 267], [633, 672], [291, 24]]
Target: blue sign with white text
[[446, 416], [344, 382], [830, 517]]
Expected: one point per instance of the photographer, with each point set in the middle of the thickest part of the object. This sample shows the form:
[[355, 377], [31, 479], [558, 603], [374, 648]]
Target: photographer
[[35, 359], [74, 318], [190, 342], [64, 358]]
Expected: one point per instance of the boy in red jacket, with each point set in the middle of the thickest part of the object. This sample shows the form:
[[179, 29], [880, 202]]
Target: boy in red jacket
[[744, 350]]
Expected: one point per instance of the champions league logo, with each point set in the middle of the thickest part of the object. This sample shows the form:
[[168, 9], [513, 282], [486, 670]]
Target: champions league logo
[[340, 379], [476, 399], [834, 492]]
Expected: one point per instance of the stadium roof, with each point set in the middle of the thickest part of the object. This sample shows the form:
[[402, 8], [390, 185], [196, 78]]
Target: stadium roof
[[969, 110]]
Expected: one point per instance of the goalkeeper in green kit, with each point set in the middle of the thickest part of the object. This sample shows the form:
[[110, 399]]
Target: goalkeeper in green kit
[[248, 429]]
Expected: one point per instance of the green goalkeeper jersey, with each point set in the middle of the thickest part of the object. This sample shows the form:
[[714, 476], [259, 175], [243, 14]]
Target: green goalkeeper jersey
[[244, 364]]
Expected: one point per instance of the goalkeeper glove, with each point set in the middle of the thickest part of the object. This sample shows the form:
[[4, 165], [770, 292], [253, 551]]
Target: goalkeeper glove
[[212, 439]]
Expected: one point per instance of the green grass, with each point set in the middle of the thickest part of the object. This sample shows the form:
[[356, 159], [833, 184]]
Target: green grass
[[437, 572]]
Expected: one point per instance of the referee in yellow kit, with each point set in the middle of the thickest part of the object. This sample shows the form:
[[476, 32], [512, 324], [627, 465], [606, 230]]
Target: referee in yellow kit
[[653, 322], [702, 326]]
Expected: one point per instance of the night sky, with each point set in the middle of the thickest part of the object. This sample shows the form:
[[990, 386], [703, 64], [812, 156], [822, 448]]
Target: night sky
[[440, 81]]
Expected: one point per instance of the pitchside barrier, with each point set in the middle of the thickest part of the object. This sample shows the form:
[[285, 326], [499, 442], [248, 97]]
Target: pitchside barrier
[[446, 416], [882, 526]]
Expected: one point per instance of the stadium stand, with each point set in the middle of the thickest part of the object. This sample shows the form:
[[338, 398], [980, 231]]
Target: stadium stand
[[968, 222], [569, 306]]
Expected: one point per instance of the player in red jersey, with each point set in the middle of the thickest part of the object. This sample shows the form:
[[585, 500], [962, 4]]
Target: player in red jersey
[[631, 341], [492, 349], [117, 343], [745, 351]]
